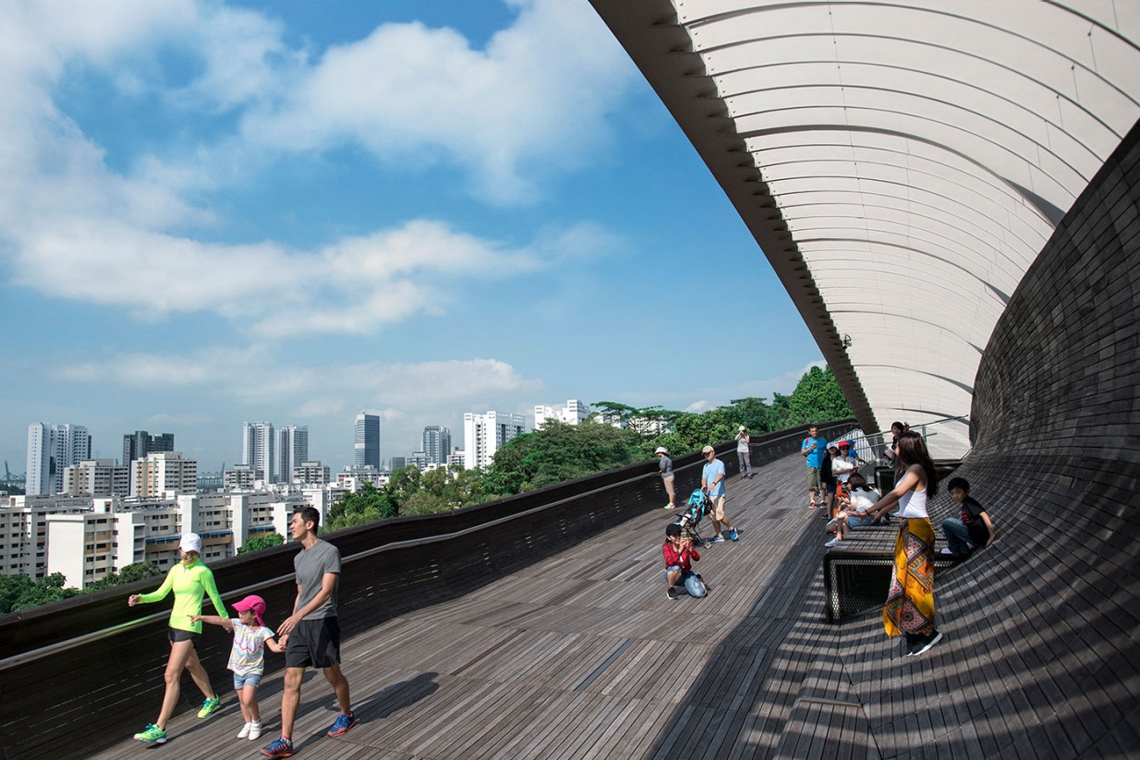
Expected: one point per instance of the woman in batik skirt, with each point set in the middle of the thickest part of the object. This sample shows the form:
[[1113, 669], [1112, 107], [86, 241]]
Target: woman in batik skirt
[[910, 602]]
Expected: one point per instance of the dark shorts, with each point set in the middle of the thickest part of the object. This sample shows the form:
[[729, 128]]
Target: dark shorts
[[314, 643], [177, 634]]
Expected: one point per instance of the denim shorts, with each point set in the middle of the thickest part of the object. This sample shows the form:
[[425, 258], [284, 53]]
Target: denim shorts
[[249, 679], [854, 521]]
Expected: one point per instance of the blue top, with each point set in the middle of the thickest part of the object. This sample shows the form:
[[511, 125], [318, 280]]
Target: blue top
[[815, 458], [710, 472]]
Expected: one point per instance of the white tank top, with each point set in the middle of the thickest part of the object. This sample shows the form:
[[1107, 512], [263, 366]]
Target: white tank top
[[913, 504]]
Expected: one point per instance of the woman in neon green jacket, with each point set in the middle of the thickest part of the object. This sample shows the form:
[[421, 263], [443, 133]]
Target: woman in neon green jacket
[[190, 581]]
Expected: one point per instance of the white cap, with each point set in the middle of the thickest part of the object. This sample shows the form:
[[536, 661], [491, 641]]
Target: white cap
[[708, 450], [742, 428], [191, 542], [661, 450]]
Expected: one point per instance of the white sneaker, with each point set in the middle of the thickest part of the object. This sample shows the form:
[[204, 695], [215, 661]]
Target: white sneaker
[[244, 731], [254, 730], [832, 543]]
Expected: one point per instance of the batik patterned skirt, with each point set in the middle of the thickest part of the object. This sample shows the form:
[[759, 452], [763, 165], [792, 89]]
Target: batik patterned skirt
[[910, 602]]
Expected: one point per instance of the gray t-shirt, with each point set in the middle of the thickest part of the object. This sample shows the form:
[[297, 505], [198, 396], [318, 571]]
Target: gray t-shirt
[[311, 565], [665, 466]]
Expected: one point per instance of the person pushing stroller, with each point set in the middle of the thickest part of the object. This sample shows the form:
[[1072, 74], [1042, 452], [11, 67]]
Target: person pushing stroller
[[679, 555]]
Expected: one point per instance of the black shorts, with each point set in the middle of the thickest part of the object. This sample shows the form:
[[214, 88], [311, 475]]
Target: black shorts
[[314, 643], [177, 634]]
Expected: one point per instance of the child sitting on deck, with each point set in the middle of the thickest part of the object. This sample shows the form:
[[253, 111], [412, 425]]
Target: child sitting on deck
[[678, 552], [854, 513], [974, 529], [247, 658]]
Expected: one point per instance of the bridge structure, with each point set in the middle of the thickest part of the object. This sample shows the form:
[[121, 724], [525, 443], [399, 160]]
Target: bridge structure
[[950, 192]]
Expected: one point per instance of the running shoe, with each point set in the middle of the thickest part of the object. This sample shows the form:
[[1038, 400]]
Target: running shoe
[[255, 730], [342, 724], [672, 592], [735, 534], [925, 642], [152, 734], [717, 540], [210, 706], [832, 543], [279, 748], [244, 733]]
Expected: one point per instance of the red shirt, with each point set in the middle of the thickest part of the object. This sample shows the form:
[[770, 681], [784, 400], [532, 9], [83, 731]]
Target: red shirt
[[674, 557]]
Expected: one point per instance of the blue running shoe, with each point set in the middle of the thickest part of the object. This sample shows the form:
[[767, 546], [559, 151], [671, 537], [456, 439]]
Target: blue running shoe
[[716, 540], [342, 724], [279, 748], [734, 535]]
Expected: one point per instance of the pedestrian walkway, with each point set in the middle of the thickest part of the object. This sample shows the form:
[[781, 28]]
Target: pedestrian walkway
[[583, 655]]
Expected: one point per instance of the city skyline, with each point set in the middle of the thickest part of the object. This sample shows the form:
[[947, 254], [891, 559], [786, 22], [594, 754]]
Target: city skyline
[[267, 213]]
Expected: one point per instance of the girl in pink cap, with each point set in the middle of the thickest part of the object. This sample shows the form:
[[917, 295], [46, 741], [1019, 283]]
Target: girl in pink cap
[[247, 658]]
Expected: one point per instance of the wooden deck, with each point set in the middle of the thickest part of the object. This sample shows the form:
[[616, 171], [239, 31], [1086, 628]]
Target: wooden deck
[[584, 656]]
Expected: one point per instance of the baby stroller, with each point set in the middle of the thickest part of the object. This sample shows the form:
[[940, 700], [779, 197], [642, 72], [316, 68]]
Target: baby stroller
[[699, 505]]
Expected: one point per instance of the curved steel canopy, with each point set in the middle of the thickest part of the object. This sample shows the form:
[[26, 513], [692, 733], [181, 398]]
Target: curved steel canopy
[[900, 163]]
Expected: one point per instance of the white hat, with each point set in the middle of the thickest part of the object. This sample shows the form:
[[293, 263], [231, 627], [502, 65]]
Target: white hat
[[742, 428], [708, 450], [661, 450], [191, 542]]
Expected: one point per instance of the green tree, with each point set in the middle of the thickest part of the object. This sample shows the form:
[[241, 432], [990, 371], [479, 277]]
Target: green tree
[[12, 589], [23, 595], [128, 574], [264, 541], [557, 453], [360, 507], [444, 489], [817, 398]]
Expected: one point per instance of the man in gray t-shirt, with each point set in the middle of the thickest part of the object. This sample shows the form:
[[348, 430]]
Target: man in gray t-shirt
[[312, 630], [311, 566]]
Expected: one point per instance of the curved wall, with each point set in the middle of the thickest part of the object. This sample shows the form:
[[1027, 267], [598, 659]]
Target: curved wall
[[1054, 602]]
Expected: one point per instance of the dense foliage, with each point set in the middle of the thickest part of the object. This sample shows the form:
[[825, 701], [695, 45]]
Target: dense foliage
[[19, 592], [560, 452], [257, 543]]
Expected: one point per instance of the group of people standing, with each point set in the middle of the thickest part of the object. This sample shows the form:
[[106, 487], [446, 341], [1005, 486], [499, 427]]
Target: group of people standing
[[309, 637]]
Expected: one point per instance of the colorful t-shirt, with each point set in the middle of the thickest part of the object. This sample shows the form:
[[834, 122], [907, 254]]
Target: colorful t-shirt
[[248, 653], [190, 584]]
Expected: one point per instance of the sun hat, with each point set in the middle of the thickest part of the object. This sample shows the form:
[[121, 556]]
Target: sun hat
[[254, 604], [661, 450], [708, 450]]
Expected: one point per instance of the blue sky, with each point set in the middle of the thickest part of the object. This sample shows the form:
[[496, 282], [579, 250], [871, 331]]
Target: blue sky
[[218, 212]]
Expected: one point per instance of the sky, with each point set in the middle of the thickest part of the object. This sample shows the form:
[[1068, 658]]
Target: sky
[[216, 212]]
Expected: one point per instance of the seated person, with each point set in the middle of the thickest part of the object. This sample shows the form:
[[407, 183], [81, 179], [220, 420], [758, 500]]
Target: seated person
[[974, 529], [679, 552], [854, 513]]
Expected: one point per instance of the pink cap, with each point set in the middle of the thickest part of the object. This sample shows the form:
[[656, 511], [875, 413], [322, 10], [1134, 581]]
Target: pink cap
[[254, 604]]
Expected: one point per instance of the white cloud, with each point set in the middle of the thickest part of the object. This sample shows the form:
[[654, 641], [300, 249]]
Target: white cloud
[[253, 374], [536, 96]]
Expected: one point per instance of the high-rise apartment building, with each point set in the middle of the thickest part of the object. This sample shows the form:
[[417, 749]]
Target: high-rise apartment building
[[138, 444], [483, 434], [257, 448], [311, 474], [367, 451], [437, 444], [51, 449], [292, 450], [574, 412], [97, 477], [163, 472]]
